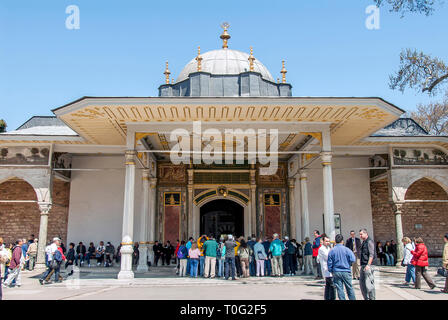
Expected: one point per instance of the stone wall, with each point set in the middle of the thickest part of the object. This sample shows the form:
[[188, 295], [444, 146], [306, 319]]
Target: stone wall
[[20, 220], [382, 214], [423, 219]]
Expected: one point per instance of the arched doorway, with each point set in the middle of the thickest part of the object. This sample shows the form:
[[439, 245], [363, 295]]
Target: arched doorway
[[21, 217], [219, 217], [425, 217]]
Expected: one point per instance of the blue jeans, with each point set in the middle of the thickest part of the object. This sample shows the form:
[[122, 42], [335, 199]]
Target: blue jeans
[[88, 255], [201, 265], [229, 267], [389, 259], [220, 262], [194, 267], [267, 267], [342, 279], [410, 273], [188, 266], [48, 271], [252, 267], [79, 256]]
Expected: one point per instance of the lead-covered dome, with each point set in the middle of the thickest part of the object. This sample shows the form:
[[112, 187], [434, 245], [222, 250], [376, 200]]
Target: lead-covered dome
[[224, 62]]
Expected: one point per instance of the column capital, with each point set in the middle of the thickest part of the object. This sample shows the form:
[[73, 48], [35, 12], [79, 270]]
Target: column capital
[[291, 182], [397, 207], [303, 175], [326, 157], [44, 207], [145, 174], [129, 156], [152, 183]]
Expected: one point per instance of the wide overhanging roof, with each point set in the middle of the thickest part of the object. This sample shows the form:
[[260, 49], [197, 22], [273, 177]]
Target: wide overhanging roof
[[103, 120]]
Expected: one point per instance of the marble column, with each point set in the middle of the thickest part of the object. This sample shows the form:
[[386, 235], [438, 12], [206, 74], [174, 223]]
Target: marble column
[[252, 223], [143, 244], [128, 218], [304, 203], [152, 217], [398, 207], [190, 215], [43, 229], [328, 194], [292, 209]]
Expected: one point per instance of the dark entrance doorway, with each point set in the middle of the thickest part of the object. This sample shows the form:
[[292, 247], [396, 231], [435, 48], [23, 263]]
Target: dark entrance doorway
[[222, 217]]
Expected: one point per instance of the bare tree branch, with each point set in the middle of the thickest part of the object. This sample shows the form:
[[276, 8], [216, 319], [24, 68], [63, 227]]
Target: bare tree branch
[[433, 117], [419, 70], [403, 6]]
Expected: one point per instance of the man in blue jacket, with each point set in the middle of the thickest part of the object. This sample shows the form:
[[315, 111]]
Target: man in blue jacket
[[267, 264], [339, 262], [251, 243]]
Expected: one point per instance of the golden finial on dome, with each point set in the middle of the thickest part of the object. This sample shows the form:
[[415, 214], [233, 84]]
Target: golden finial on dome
[[251, 59], [199, 59], [225, 36], [172, 82], [283, 72], [167, 74]]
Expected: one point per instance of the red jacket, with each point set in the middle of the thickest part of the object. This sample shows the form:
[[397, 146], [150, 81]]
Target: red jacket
[[316, 245], [62, 253], [420, 255]]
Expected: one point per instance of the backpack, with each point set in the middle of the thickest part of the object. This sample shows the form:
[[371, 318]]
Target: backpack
[[57, 256], [181, 252], [291, 248]]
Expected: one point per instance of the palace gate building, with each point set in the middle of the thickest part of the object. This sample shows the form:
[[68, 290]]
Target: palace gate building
[[101, 168]]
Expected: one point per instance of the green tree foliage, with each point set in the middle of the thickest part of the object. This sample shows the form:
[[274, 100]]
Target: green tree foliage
[[2, 125]]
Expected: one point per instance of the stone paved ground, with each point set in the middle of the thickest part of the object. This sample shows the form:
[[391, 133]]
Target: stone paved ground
[[162, 283]]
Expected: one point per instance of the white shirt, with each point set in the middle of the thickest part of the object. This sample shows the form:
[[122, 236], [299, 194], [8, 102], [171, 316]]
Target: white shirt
[[323, 258], [407, 253], [101, 249], [50, 250]]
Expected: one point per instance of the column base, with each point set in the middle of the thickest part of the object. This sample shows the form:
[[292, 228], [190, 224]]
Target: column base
[[40, 266], [125, 275], [142, 261], [142, 269]]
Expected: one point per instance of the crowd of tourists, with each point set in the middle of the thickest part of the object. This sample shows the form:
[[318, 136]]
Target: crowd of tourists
[[338, 263]]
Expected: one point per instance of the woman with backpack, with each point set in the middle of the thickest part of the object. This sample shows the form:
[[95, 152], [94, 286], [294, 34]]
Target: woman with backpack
[[182, 255], [260, 257], [244, 253]]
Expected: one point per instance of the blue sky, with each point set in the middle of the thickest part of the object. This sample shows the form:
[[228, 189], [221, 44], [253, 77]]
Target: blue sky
[[121, 47]]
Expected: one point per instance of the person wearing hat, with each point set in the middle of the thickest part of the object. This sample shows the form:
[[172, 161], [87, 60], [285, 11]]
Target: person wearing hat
[[32, 254], [54, 259]]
